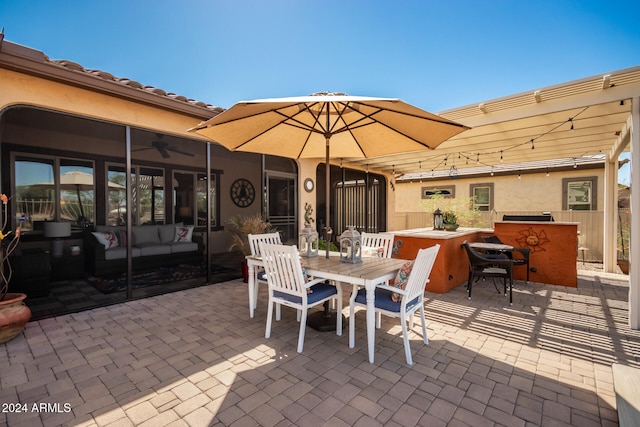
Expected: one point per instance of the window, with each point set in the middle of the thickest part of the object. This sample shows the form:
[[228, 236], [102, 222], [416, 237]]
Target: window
[[580, 194], [190, 198], [148, 197], [54, 189], [448, 191], [482, 196]]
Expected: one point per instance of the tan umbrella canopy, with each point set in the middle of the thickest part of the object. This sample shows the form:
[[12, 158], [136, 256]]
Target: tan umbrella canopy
[[328, 125]]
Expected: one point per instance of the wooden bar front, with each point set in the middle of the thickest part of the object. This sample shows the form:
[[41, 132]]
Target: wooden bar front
[[553, 248], [451, 267]]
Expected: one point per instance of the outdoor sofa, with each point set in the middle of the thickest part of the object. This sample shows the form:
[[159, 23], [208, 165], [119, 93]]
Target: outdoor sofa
[[151, 246]]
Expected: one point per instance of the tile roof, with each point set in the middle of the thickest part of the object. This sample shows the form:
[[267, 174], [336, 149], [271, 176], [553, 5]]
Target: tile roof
[[130, 83]]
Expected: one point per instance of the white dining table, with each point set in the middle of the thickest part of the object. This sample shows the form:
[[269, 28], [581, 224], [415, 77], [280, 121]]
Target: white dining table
[[370, 272]]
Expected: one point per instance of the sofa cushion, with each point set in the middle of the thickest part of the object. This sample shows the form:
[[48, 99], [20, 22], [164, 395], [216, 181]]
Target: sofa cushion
[[143, 234], [120, 253], [150, 249], [167, 233], [109, 239], [184, 233], [179, 247]]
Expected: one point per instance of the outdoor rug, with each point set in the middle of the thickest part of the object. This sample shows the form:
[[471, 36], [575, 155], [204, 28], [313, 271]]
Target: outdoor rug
[[157, 276]]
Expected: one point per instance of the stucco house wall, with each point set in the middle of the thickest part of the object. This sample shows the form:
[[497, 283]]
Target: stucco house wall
[[531, 192]]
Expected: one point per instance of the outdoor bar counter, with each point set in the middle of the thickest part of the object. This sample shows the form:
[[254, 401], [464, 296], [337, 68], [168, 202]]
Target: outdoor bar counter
[[553, 248], [451, 268]]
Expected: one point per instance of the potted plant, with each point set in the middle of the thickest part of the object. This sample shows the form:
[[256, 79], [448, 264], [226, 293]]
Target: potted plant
[[240, 226], [14, 314], [450, 221], [623, 261]]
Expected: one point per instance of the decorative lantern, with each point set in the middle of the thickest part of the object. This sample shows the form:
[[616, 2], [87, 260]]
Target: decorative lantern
[[308, 242], [438, 222], [351, 246]]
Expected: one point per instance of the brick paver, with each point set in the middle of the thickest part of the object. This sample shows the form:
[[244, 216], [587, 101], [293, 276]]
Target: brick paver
[[195, 358]]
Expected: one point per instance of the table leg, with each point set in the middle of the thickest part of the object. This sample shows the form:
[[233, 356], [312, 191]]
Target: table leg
[[252, 286], [371, 321]]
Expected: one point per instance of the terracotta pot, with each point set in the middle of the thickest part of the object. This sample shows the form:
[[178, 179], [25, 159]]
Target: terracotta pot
[[245, 271], [624, 265], [14, 315]]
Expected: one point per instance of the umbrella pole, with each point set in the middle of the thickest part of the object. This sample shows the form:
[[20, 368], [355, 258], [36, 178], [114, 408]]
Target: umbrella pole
[[80, 203], [326, 320], [327, 175]]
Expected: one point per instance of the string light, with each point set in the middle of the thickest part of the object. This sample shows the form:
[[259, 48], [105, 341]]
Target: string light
[[547, 172], [519, 176], [531, 141], [491, 170]]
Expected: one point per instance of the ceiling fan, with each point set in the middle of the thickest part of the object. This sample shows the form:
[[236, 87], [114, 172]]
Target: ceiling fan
[[164, 148]]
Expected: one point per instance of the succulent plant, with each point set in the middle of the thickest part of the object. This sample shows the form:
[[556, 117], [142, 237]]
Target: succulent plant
[[449, 217]]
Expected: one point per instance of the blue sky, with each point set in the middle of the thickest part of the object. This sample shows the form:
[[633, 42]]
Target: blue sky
[[433, 54]]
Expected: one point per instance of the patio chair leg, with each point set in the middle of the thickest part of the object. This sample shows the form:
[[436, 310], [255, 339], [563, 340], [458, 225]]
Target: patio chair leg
[[267, 332], [425, 337], [303, 326], [405, 336], [352, 318], [339, 314]]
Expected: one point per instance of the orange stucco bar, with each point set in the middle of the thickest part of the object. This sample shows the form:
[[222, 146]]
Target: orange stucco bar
[[553, 248], [451, 268], [553, 245]]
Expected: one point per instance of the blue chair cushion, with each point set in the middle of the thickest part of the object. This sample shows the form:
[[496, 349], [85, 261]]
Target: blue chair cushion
[[262, 276], [383, 300], [320, 292]]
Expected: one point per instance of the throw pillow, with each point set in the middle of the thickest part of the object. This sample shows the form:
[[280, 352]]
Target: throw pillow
[[184, 233], [372, 251], [109, 239], [401, 279]]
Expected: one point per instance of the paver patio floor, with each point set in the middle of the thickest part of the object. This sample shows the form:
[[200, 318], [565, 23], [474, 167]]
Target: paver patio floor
[[195, 358]]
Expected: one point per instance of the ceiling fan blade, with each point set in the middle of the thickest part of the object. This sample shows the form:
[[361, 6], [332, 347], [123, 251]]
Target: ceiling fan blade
[[163, 152], [184, 153]]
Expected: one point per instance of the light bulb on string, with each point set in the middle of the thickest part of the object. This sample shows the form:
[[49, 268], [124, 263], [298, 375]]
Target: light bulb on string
[[491, 170], [571, 128], [501, 156], [532, 146], [478, 158], [547, 172], [519, 176]]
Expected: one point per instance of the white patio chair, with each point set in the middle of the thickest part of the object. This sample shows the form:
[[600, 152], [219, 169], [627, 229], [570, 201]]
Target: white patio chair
[[288, 286], [255, 240], [377, 244], [380, 244], [412, 299]]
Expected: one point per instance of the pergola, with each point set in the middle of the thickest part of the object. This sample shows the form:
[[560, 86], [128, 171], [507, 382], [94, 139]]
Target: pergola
[[594, 116]]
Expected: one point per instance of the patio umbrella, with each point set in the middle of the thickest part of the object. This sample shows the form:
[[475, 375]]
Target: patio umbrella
[[328, 125], [78, 181]]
